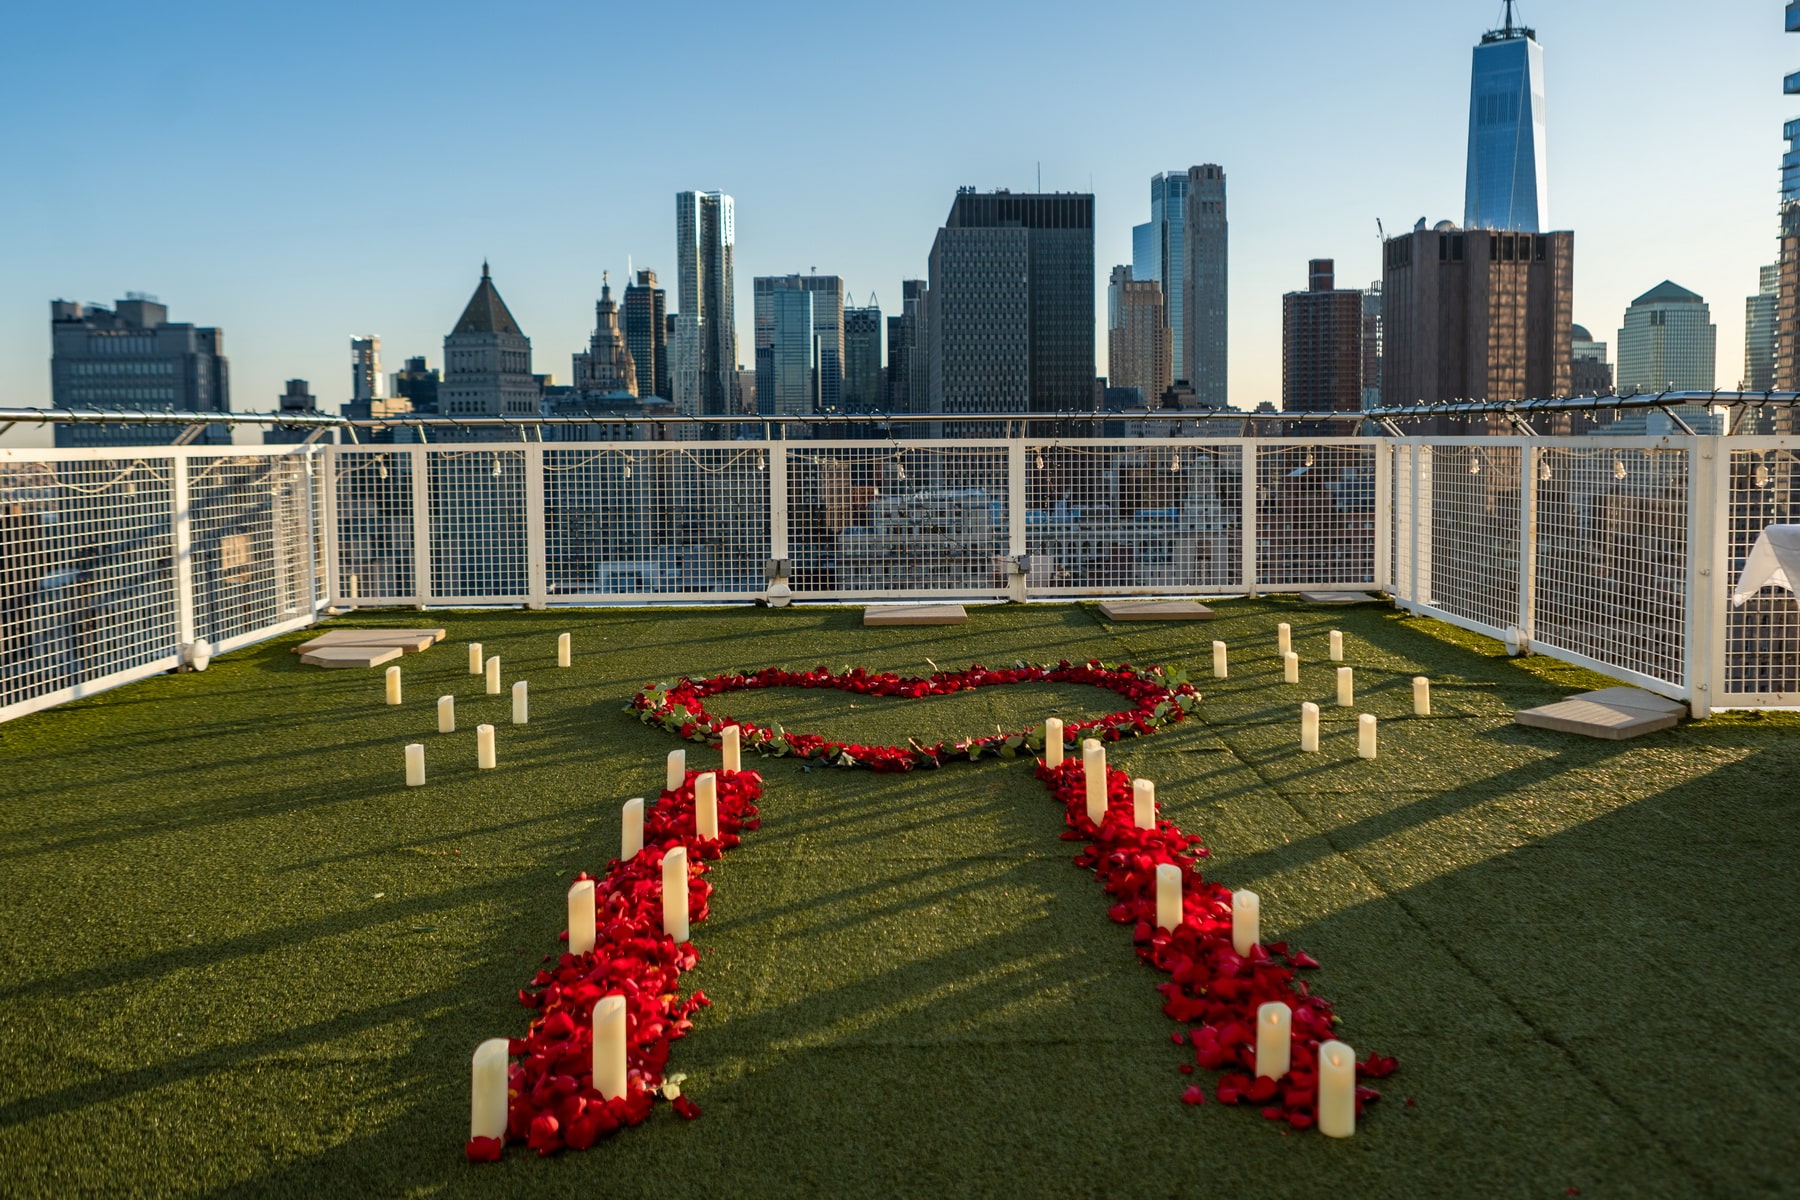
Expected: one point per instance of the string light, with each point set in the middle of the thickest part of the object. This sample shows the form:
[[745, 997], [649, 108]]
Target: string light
[[1309, 458], [1474, 464], [1543, 468], [1762, 476], [1618, 468], [496, 470], [1175, 462], [1040, 460], [760, 464]]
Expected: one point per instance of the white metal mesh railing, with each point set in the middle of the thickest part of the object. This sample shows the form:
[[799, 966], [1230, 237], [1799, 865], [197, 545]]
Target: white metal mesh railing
[[1315, 514], [1611, 578], [1615, 553], [1103, 518], [111, 559], [1762, 636], [639, 521], [882, 519]]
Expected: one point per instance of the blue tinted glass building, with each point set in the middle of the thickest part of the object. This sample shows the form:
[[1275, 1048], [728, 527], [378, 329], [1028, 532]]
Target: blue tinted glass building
[[792, 351], [1159, 252], [1508, 187]]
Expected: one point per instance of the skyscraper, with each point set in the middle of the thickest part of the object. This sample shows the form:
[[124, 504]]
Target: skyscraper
[[367, 384], [1371, 345], [1507, 186], [788, 385], [1590, 374], [705, 245], [1668, 342], [1787, 302], [827, 311], [607, 369], [1321, 344], [643, 316], [1205, 304], [1759, 330], [1159, 253], [418, 385], [297, 401], [1010, 306], [487, 360], [1473, 314], [862, 358], [908, 369], [132, 356], [1137, 336]]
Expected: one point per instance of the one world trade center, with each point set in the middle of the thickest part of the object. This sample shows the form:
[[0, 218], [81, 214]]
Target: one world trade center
[[1507, 185]]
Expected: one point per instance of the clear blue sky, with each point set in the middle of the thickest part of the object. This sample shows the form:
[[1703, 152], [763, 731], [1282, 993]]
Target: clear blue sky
[[300, 173]]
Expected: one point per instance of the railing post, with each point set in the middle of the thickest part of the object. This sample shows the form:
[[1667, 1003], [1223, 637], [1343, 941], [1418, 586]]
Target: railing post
[[1421, 525], [182, 545], [1708, 573], [1384, 516], [1015, 515], [1528, 460], [1247, 502], [537, 586], [421, 523], [327, 483], [778, 499]]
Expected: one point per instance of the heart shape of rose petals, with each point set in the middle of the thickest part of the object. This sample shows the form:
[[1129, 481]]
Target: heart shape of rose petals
[[1159, 696]]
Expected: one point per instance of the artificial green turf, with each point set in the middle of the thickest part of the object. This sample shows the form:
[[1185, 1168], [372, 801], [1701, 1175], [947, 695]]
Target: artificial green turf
[[240, 958]]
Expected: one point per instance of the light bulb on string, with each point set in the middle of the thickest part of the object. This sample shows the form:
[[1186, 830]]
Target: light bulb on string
[[1618, 468], [1175, 462], [1309, 458], [1762, 476], [1543, 468], [760, 464], [496, 471], [1040, 460]]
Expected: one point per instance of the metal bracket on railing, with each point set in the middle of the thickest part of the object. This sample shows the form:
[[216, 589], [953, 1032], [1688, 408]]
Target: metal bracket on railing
[[186, 436], [1518, 422]]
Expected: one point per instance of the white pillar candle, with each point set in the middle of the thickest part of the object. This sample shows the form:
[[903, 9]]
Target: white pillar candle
[[1284, 638], [1143, 803], [706, 806], [1290, 667], [1337, 646], [1168, 896], [1246, 920], [581, 916], [446, 714], [1337, 1090], [474, 658], [1365, 736], [487, 1090], [484, 747], [1053, 743], [1309, 727], [493, 675], [393, 685], [1220, 670], [1274, 1039], [562, 649], [1346, 687], [609, 1046], [1093, 772], [675, 893], [521, 704], [415, 765], [631, 831], [729, 748], [676, 773], [1421, 696]]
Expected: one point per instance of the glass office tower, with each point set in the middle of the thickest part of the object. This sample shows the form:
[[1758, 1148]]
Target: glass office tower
[[1159, 252], [1508, 187]]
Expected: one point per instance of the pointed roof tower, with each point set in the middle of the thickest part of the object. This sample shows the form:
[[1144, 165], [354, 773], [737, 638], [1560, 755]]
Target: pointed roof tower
[[486, 311]]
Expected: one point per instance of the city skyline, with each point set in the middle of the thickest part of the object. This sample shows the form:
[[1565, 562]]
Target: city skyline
[[290, 276]]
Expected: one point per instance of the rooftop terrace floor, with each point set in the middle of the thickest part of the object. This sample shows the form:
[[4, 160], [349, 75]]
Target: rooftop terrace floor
[[241, 958]]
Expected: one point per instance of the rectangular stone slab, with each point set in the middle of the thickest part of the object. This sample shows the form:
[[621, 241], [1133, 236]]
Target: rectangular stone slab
[[1613, 714], [1338, 597], [410, 640], [350, 656], [1155, 610], [915, 614]]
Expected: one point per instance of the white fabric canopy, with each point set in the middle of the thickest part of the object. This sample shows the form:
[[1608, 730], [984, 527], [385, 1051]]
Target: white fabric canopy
[[1774, 560]]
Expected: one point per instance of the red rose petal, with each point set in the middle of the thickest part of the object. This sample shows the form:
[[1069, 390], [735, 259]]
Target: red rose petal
[[484, 1149], [687, 1108], [1193, 1095]]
